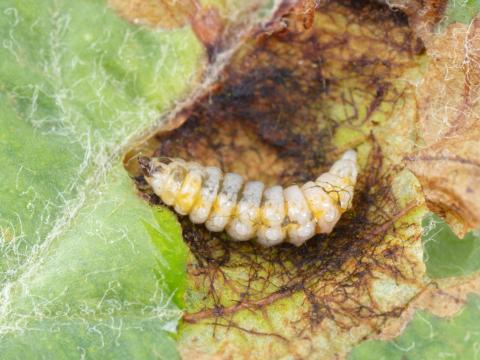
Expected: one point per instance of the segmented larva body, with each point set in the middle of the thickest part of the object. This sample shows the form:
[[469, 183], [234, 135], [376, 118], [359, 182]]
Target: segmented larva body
[[248, 210]]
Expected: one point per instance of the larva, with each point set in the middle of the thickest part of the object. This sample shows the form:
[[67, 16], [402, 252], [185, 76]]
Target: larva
[[248, 210]]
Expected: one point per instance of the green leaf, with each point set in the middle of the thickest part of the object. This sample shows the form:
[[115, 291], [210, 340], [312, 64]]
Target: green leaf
[[429, 337], [171, 265], [113, 338], [447, 255], [77, 84], [462, 11]]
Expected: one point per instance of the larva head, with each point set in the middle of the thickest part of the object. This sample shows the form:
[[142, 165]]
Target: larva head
[[145, 165], [152, 169], [151, 165]]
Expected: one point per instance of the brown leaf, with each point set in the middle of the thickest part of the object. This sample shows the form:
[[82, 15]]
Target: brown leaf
[[293, 16], [449, 119], [207, 21], [157, 13], [208, 26]]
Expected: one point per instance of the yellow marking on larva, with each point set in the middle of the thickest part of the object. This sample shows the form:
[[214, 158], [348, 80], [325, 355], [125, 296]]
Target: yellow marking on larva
[[172, 185], [188, 192]]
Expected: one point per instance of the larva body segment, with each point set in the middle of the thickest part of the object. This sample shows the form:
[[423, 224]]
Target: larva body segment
[[170, 182], [212, 178], [225, 202], [323, 207], [272, 217], [189, 189], [244, 223], [248, 210], [301, 226]]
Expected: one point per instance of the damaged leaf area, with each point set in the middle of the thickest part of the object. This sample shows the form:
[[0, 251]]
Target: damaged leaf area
[[284, 109]]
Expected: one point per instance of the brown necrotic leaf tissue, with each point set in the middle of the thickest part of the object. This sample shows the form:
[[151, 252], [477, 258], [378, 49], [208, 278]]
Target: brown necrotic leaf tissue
[[448, 161]]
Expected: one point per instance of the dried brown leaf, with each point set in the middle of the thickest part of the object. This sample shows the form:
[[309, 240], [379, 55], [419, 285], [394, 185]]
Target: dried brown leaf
[[157, 13], [293, 16], [448, 166]]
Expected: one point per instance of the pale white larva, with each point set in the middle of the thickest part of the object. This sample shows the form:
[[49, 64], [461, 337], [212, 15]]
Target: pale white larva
[[248, 210]]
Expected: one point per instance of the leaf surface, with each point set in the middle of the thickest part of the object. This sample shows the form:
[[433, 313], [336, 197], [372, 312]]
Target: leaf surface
[[77, 264], [88, 269]]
